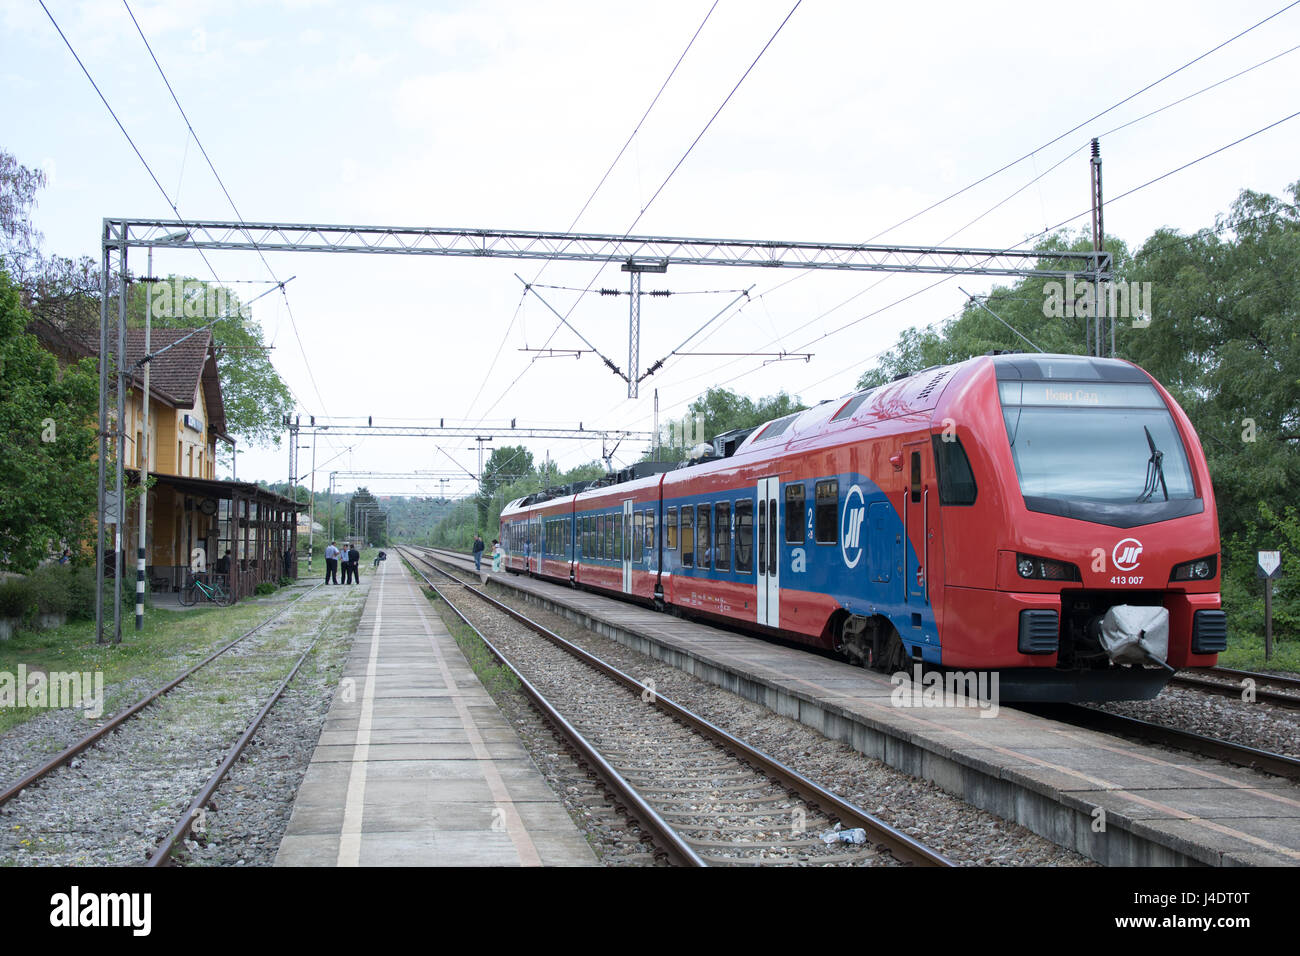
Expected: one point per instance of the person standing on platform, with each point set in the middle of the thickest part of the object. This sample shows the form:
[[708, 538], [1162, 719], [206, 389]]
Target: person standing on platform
[[478, 552], [496, 555], [354, 559], [345, 563], [331, 564]]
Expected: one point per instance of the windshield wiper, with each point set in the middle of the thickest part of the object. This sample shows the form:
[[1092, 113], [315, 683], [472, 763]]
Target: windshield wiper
[[1155, 470]]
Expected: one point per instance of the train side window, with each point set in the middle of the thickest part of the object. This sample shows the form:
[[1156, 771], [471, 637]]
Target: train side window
[[638, 535], [610, 553], [722, 536], [916, 476], [745, 536], [704, 549], [956, 480], [794, 525], [670, 530], [826, 525], [650, 531], [688, 536], [616, 549], [599, 550]]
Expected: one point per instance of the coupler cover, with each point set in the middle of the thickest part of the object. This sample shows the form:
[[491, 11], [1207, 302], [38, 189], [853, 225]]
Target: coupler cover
[[1133, 634]]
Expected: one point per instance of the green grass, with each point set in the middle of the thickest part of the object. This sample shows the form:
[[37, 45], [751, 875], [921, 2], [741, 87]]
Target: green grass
[[169, 643], [494, 677], [1246, 652]]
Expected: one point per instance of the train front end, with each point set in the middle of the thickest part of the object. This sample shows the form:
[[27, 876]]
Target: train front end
[[1106, 574]]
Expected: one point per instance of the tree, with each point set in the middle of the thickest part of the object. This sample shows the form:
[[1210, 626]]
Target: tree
[[48, 455], [504, 466], [1024, 307], [720, 410], [1223, 340], [256, 399], [19, 240]]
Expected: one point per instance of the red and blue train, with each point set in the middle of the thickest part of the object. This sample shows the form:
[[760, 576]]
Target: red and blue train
[[1013, 513]]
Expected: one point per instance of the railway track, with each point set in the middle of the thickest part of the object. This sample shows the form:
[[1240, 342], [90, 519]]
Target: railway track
[[1226, 750], [66, 810], [1215, 680], [704, 796], [1228, 682]]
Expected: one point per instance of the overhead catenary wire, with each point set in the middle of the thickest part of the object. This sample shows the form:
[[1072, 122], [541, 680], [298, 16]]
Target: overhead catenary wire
[[663, 185], [1030, 238], [636, 129], [238, 215]]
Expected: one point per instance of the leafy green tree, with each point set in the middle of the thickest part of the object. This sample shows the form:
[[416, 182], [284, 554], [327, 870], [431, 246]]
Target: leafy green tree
[[1023, 307], [1223, 340], [19, 240], [47, 457], [716, 411], [256, 399]]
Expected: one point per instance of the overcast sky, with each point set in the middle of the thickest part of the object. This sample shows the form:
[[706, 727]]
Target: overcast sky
[[507, 115]]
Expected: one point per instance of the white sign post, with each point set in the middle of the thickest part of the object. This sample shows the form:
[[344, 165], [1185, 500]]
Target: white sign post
[[1270, 567]]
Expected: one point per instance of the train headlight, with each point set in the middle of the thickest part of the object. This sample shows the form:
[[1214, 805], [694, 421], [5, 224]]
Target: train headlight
[[1045, 569], [1202, 569]]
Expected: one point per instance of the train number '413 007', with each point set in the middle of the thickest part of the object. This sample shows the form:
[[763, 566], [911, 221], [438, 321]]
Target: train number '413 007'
[[1126, 579]]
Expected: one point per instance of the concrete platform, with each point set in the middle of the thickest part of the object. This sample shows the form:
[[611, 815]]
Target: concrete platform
[[415, 765], [1120, 803]]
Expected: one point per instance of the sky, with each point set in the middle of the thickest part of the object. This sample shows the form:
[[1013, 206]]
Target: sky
[[852, 118]]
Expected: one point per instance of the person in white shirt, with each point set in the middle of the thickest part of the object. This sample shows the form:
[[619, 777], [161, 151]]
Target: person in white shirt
[[331, 563]]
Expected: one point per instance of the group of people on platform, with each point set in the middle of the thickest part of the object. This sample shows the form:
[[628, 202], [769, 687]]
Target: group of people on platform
[[349, 556], [479, 547]]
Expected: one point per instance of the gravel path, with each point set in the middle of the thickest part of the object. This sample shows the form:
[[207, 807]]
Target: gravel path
[[115, 802]]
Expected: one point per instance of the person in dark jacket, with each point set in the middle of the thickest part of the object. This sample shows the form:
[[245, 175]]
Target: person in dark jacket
[[478, 552], [354, 559]]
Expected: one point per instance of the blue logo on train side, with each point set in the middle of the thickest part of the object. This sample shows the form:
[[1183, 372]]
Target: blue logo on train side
[[871, 568]]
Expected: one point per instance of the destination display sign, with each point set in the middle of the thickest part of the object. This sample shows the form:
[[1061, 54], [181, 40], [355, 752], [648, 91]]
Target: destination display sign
[[1080, 394]]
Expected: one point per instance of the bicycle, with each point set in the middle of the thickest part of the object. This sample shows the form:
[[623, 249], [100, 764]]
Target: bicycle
[[212, 591]]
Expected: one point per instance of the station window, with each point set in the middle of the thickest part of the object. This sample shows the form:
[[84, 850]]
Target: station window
[[826, 516], [704, 549], [745, 536], [670, 530], [722, 536], [688, 537], [794, 526]]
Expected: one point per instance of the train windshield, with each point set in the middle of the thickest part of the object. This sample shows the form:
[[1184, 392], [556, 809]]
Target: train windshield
[[1102, 442]]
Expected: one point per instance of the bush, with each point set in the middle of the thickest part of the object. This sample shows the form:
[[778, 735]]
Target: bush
[[267, 587], [50, 589]]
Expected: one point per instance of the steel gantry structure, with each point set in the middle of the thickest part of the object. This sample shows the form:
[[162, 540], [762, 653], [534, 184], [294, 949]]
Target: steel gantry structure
[[636, 254]]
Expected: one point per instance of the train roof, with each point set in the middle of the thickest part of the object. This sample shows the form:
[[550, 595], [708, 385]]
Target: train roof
[[921, 392]]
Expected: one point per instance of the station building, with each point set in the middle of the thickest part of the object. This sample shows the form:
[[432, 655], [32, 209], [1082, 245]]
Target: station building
[[189, 509]]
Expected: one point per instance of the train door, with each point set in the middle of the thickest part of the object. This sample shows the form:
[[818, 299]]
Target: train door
[[916, 505], [626, 556], [767, 553]]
